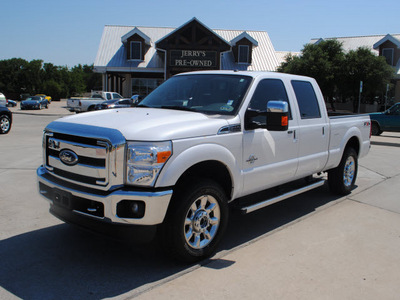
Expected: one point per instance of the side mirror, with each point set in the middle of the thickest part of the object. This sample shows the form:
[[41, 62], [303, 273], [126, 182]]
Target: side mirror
[[277, 115]]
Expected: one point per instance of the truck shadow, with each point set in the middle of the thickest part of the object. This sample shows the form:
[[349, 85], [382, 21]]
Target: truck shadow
[[65, 262]]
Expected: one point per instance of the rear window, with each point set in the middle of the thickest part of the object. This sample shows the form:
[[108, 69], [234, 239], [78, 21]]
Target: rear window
[[306, 99]]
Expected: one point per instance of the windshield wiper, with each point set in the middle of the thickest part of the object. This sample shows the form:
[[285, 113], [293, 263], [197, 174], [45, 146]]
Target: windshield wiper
[[176, 107]]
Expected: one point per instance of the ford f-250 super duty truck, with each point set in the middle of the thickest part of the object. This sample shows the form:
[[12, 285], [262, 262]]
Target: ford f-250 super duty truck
[[197, 144]]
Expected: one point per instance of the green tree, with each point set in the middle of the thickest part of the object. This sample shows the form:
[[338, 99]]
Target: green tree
[[339, 73], [321, 61], [373, 71]]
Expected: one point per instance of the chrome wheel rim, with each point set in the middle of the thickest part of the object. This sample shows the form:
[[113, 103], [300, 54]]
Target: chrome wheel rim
[[349, 171], [4, 124], [202, 222]]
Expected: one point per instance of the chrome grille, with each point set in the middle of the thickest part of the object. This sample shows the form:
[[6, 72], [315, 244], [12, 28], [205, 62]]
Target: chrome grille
[[93, 159], [85, 155]]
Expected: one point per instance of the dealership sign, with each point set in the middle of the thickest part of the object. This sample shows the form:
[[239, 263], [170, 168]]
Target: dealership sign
[[193, 58]]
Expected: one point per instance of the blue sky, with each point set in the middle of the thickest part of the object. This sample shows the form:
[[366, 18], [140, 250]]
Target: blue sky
[[68, 32]]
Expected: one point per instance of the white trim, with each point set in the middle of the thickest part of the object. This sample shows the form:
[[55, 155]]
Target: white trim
[[388, 37], [137, 31], [244, 35]]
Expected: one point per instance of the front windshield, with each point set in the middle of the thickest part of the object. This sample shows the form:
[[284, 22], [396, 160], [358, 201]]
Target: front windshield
[[206, 93]]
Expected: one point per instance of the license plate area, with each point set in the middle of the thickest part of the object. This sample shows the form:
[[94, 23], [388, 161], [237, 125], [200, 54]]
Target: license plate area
[[62, 198]]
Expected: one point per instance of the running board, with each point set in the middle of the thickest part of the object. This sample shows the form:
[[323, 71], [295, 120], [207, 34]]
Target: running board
[[262, 204]]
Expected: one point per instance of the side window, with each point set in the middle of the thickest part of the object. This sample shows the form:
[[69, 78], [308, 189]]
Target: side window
[[243, 54], [267, 90], [307, 100], [108, 96]]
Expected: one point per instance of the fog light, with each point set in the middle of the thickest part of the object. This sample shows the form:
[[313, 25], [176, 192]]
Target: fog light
[[131, 209]]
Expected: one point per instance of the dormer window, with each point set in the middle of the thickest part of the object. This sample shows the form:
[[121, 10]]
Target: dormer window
[[388, 53], [243, 54], [136, 50]]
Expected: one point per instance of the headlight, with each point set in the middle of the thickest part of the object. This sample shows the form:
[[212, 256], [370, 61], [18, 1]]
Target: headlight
[[145, 160]]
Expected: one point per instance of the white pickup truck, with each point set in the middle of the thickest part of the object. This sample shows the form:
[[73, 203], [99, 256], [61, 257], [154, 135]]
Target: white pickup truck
[[199, 143], [88, 104]]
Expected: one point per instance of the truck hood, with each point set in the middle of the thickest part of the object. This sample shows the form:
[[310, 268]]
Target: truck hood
[[150, 124]]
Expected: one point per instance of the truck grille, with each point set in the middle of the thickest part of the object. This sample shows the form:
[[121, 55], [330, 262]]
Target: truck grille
[[80, 160]]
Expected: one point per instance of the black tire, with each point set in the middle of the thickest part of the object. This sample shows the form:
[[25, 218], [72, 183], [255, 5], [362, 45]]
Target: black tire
[[5, 124], [195, 222], [341, 180], [91, 108], [375, 129]]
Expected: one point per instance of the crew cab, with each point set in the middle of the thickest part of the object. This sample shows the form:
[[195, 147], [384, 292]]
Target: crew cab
[[88, 104], [199, 143], [388, 120]]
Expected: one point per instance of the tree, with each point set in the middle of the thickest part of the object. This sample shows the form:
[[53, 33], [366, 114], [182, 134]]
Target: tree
[[18, 76], [321, 61], [373, 71], [339, 73]]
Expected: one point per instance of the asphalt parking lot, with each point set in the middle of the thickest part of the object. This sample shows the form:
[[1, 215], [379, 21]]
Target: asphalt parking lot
[[312, 246]]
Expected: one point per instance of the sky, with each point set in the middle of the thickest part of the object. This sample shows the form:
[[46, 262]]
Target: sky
[[68, 33]]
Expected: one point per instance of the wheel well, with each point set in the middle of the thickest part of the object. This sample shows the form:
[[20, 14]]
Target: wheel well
[[213, 170], [375, 122], [354, 143]]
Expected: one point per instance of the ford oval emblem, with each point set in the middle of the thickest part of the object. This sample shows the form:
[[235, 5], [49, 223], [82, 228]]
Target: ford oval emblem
[[68, 157]]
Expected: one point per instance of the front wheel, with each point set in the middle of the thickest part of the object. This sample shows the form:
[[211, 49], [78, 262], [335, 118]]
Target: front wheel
[[195, 222], [341, 180], [5, 124]]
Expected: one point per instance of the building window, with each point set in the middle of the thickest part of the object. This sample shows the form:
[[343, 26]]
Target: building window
[[144, 86], [136, 50], [388, 54], [243, 54]]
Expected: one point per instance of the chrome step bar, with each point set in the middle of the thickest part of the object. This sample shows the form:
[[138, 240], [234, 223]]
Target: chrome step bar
[[262, 204]]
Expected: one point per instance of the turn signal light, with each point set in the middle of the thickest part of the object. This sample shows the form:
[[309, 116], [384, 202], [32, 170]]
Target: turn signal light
[[163, 156], [284, 121]]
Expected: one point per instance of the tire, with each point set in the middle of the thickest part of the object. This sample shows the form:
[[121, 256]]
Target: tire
[[91, 108], [5, 124], [195, 222], [341, 180], [375, 129]]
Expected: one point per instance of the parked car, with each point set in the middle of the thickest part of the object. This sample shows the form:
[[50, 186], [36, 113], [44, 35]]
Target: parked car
[[388, 120], [34, 102], [5, 120], [11, 103], [3, 100], [123, 103], [48, 98]]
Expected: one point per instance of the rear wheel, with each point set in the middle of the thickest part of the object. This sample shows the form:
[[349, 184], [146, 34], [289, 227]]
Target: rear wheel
[[375, 129], [341, 180], [195, 221]]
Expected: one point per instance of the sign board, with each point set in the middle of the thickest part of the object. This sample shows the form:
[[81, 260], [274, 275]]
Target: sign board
[[193, 59]]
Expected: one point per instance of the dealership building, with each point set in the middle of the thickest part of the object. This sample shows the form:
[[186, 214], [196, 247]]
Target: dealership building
[[135, 60]]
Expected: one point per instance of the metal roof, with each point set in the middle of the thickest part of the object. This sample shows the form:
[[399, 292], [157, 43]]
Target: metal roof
[[354, 42], [111, 55]]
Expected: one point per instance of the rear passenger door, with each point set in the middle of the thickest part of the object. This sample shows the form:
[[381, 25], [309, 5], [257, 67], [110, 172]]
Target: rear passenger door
[[313, 131]]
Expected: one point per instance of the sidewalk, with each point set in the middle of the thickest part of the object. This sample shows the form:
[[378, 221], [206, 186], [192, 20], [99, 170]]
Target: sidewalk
[[345, 250]]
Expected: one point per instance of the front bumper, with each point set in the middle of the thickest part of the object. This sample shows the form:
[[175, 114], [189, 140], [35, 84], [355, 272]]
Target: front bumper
[[103, 206]]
